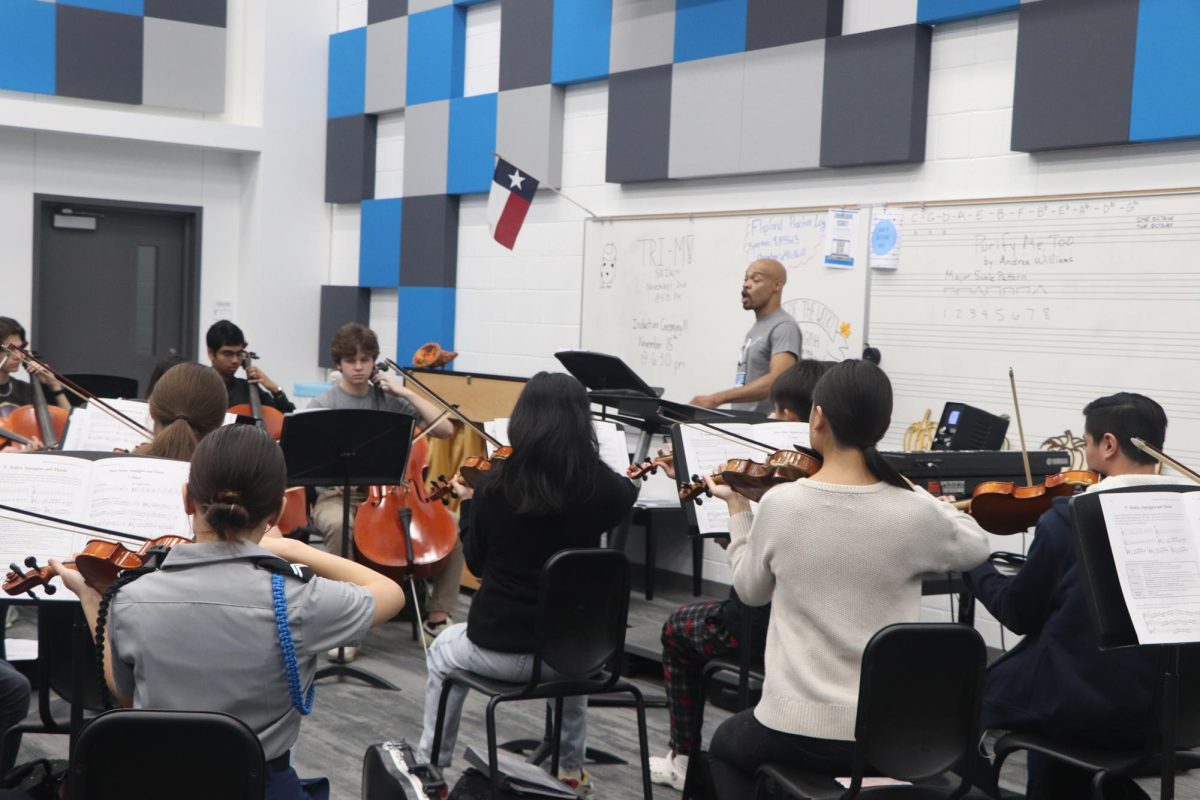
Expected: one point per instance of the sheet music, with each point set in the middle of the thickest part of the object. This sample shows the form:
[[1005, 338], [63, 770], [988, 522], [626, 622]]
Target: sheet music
[[1153, 536], [93, 430], [703, 450], [157, 483], [611, 437]]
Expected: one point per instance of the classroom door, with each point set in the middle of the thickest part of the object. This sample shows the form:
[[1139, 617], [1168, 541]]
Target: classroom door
[[115, 286]]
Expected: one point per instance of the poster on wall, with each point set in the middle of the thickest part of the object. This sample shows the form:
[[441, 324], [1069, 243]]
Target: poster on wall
[[841, 228], [885, 237]]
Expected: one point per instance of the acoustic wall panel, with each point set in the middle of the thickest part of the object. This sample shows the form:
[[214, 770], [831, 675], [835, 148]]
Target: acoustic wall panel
[[706, 117], [347, 72], [198, 12], [387, 66], [1074, 81], [932, 12], [876, 97], [27, 46], [772, 23], [472, 144], [134, 8], [526, 43], [340, 305], [383, 10], [781, 108], [425, 314], [582, 40], [529, 131], [417, 6], [639, 125], [183, 65], [426, 147], [350, 158], [436, 52], [707, 28], [98, 55], [1166, 71], [429, 241], [379, 242], [643, 34]]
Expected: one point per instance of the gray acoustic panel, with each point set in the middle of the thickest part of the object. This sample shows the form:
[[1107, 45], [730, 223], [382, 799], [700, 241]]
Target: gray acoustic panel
[[639, 125], [876, 97], [199, 12], [417, 6], [1074, 82], [426, 148], [529, 131], [643, 34], [350, 158], [771, 23], [706, 117], [381, 10], [183, 65], [98, 55], [429, 241], [340, 305], [387, 65], [526, 34], [781, 108]]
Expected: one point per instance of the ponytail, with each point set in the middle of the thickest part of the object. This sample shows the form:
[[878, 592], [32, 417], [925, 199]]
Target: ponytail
[[882, 469], [856, 398]]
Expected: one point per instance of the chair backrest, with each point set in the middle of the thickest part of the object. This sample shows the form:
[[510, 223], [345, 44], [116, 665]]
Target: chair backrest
[[919, 697], [105, 386], [178, 754], [582, 608]]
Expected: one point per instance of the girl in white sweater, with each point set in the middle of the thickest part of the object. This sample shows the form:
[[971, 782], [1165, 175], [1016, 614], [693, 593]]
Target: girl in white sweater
[[839, 555]]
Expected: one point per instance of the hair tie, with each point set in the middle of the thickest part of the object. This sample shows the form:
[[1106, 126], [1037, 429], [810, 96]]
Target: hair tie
[[183, 417], [230, 496]]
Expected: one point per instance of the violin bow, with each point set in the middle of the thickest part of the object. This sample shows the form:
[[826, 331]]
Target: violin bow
[[1163, 458], [48, 521], [1012, 380], [715, 430], [450, 408], [79, 391]]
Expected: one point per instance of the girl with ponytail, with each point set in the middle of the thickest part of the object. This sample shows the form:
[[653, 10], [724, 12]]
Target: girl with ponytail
[[186, 404], [839, 556]]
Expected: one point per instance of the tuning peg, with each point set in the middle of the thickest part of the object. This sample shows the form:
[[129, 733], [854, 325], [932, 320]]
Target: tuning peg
[[49, 588], [699, 502], [696, 478], [31, 562], [16, 570]]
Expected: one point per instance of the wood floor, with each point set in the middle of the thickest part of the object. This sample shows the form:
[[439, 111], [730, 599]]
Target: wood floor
[[348, 716]]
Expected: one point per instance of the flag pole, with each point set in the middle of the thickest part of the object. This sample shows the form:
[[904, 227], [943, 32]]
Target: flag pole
[[542, 183]]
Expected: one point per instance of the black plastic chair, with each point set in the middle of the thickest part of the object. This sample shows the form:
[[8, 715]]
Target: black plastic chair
[[583, 604], [104, 386], [918, 710], [184, 755]]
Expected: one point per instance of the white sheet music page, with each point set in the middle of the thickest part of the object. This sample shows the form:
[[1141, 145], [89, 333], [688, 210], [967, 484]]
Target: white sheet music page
[[142, 496], [1154, 544], [92, 429], [613, 449]]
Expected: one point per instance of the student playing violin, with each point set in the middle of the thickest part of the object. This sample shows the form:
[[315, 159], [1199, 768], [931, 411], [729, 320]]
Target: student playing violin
[[552, 493], [226, 351], [160, 630], [839, 556]]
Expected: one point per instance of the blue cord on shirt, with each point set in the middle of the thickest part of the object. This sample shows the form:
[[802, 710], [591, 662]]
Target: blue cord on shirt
[[303, 704]]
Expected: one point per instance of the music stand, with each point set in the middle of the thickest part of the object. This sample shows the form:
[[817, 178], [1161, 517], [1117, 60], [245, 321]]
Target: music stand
[[1110, 615], [346, 447]]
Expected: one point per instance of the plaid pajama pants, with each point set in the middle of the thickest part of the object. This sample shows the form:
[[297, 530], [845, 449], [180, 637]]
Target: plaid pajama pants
[[691, 637]]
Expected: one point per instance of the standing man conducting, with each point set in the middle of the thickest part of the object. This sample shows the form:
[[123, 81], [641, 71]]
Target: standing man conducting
[[771, 347]]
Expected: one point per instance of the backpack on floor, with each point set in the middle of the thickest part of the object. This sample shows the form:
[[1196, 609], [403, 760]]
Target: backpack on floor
[[391, 772], [474, 785]]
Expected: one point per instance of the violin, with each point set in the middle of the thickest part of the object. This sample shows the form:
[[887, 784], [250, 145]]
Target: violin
[[752, 479], [1003, 508], [268, 418], [472, 469], [649, 466], [100, 561]]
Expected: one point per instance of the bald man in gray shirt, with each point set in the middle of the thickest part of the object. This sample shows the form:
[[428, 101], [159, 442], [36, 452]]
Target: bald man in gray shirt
[[772, 344]]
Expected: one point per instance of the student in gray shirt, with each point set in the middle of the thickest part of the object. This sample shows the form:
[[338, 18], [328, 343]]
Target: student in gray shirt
[[206, 632], [772, 344]]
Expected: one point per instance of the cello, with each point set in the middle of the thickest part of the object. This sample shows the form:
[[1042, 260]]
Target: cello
[[268, 418], [39, 419]]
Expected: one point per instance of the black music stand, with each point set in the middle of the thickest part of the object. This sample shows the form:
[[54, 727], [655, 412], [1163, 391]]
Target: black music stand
[[347, 447], [1110, 615]]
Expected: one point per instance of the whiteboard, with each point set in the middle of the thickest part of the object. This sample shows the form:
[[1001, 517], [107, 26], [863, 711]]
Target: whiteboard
[[665, 294], [1083, 298]]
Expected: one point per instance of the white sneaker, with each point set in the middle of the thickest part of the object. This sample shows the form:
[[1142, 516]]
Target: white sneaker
[[669, 770], [348, 654], [431, 630], [10, 617]]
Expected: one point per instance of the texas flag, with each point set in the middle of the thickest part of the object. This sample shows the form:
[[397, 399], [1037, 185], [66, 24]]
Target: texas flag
[[512, 192]]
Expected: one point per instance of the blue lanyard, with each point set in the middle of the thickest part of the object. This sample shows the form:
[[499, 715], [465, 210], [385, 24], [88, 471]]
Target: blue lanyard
[[302, 703]]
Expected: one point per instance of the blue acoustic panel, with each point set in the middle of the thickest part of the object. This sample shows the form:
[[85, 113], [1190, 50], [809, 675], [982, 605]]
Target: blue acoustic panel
[[350, 158], [1074, 81], [639, 125], [932, 12], [379, 243], [873, 76], [383, 10], [582, 38], [472, 144], [27, 46], [772, 23], [526, 42], [706, 116], [347, 72], [425, 314], [1166, 71], [426, 148], [133, 7], [429, 241], [98, 55], [643, 34], [198, 12], [470, 2], [436, 54], [706, 28]]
